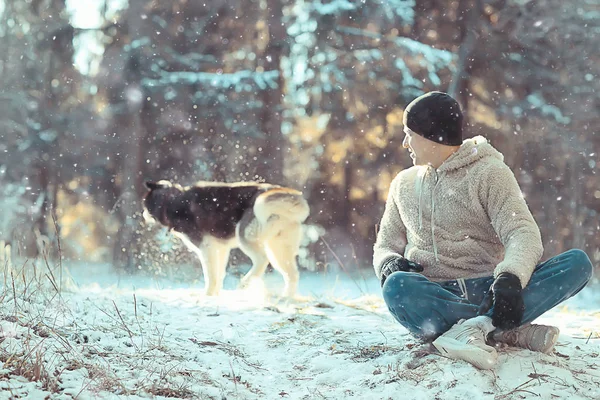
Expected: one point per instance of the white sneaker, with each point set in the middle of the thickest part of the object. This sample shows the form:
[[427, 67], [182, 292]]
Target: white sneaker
[[466, 341]]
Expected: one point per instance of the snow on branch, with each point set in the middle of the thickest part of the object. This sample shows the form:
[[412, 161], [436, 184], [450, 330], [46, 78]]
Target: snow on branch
[[241, 81], [137, 44], [537, 101], [435, 59], [408, 80], [333, 7], [440, 58], [404, 9], [193, 61], [535, 104], [391, 8]]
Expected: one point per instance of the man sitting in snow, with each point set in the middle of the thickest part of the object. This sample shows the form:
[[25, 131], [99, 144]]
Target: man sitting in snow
[[458, 249]]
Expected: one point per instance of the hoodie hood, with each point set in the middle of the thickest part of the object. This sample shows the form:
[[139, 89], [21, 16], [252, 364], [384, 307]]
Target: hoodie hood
[[471, 151]]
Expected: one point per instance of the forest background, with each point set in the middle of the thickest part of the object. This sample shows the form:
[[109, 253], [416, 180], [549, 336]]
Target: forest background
[[98, 96]]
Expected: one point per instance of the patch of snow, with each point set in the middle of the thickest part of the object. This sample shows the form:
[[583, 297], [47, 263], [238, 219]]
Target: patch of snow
[[136, 338]]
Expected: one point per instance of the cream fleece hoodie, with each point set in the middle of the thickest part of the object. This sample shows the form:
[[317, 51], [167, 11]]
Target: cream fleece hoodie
[[467, 219]]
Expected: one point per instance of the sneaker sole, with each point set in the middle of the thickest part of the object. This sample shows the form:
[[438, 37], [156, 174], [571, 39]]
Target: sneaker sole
[[551, 339], [471, 354]]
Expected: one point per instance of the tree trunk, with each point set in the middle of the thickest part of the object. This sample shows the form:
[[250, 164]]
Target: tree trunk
[[346, 203], [133, 130], [471, 12], [271, 166]]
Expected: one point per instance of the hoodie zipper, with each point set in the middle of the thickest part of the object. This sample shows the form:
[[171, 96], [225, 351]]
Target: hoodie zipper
[[436, 181], [432, 216]]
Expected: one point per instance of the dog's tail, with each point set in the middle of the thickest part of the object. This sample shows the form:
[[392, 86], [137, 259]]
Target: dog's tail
[[281, 202]]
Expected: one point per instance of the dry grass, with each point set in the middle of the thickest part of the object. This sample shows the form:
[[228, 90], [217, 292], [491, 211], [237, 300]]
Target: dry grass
[[45, 341], [178, 393], [31, 366]]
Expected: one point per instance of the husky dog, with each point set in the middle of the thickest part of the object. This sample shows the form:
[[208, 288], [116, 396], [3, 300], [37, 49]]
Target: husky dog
[[212, 218]]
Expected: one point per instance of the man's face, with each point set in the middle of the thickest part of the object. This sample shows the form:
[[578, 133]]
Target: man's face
[[419, 148]]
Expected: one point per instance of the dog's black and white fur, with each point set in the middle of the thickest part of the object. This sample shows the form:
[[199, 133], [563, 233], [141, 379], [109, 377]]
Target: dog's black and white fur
[[212, 218]]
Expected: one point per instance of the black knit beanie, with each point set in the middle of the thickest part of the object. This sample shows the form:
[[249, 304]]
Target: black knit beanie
[[435, 116]]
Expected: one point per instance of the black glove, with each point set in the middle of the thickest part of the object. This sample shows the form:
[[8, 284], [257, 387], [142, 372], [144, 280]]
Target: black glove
[[398, 264], [506, 297]]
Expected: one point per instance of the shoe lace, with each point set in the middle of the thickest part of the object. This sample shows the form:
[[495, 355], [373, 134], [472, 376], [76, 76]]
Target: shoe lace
[[470, 334]]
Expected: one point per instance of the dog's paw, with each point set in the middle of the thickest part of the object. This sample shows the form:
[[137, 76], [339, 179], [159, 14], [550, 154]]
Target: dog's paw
[[212, 292], [245, 283], [254, 287], [295, 298]]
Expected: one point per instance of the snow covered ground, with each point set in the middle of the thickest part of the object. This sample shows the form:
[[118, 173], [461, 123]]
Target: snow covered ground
[[122, 338]]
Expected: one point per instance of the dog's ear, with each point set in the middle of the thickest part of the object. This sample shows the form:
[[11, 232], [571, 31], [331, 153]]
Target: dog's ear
[[158, 185], [152, 185]]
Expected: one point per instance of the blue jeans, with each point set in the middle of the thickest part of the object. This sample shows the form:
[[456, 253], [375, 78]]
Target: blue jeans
[[428, 309]]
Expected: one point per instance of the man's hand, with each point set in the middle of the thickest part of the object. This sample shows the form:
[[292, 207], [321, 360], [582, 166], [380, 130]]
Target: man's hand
[[398, 264], [507, 301]]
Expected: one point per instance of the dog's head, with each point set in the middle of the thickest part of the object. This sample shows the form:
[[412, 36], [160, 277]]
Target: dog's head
[[160, 195]]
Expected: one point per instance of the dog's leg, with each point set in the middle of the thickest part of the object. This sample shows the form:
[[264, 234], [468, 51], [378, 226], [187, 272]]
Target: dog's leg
[[281, 251], [250, 238], [222, 265], [214, 256], [259, 259]]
